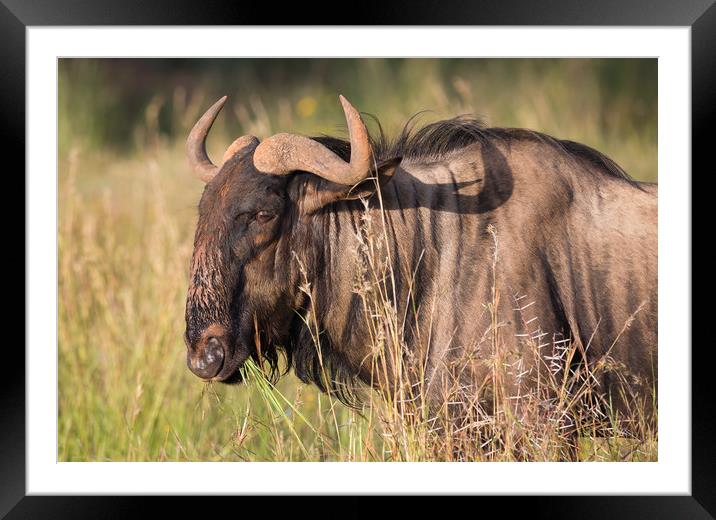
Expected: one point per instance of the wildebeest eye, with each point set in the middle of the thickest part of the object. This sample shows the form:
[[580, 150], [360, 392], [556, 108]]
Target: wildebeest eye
[[264, 216]]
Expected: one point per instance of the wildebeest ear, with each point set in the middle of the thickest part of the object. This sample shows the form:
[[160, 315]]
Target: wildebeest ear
[[385, 171], [322, 193]]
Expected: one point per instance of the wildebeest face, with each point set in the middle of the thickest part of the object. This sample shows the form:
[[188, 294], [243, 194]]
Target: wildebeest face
[[239, 273], [233, 281]]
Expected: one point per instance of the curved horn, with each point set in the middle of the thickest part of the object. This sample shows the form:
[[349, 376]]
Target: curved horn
[[239, 145], [284, 153], [199, 161]]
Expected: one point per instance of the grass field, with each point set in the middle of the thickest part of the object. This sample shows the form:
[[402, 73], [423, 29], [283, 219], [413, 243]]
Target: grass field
[[127, 212]]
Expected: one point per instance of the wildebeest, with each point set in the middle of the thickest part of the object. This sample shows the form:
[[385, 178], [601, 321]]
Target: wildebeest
[[278, 248]]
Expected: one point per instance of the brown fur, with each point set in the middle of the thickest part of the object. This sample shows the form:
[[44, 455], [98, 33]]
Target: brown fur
[[577, 242]]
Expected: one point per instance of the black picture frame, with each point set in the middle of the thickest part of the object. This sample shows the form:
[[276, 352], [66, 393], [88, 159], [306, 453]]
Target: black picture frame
[[16, 15]]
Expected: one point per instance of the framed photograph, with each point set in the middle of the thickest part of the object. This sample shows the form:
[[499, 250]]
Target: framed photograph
[[440, 252]]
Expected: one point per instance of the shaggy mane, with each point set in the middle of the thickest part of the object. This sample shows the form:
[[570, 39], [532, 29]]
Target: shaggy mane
[[441, 137]]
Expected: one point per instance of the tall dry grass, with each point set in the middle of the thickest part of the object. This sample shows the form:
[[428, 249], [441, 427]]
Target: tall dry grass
[[125, 229]]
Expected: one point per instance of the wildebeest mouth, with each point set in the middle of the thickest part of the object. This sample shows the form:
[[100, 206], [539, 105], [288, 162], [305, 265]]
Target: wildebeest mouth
[[230, 372]]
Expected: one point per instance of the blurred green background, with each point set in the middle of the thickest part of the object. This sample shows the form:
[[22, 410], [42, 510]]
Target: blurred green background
[[127, 214], [123, 104]]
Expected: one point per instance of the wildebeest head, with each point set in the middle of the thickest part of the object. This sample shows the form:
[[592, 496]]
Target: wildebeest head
[[251, 203]]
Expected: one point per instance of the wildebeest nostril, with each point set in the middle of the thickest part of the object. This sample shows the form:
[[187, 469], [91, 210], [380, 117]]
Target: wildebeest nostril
[[208, 362]]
